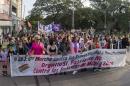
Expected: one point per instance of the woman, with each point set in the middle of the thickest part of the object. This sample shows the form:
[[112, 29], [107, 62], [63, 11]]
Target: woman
[[74, 45], [64, 48], [90, 43], [52, 48], [82, 45], [37, 47], [97, 45], [86, 46], [3, 59]]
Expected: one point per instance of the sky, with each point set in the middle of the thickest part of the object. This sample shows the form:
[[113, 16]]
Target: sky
[[28, 5]]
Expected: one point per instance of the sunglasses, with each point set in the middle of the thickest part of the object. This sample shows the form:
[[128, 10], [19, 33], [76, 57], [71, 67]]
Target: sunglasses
[[38, 39]]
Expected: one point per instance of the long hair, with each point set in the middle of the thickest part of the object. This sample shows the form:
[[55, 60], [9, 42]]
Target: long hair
[[51, 41]]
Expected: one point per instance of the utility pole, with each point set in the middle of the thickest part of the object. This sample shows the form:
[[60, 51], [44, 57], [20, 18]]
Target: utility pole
[[105, 16], [73, 19], [21, 8], [24, 12], [10, 15]]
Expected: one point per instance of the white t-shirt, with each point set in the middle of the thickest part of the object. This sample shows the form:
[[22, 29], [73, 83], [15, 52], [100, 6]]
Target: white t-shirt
[[80, 40]]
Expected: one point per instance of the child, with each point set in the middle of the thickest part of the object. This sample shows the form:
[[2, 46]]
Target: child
[[3, 57]]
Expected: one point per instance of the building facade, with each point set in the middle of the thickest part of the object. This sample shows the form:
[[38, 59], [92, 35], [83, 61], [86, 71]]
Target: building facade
[[5, 17], [10, 15], [16, 13]]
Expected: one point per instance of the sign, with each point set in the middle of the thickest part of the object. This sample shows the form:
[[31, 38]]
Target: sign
[[49, 28], [56, 27], [46, 65]]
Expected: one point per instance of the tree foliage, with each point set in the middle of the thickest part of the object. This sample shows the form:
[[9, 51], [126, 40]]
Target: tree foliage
[[50, 7], [33, 19], [117, 14]]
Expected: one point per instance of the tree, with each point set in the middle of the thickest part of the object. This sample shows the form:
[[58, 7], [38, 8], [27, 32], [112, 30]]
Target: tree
[[116, 12], [50, 7], [84, 18], [33, 19], [55, 7]]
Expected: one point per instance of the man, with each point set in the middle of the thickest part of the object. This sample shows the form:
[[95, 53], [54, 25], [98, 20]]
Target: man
[[125, 42]]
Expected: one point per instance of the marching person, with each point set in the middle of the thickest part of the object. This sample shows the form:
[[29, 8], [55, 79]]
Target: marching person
[[64, 46], [21, 49], [37, 47], [125, 42], [52, 48], [12, 50], [74, 47], [81, 44], [3, 59]]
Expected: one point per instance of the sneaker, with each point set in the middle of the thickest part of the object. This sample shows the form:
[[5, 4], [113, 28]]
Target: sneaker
[[97, 70], [74, 72], [5, 73]]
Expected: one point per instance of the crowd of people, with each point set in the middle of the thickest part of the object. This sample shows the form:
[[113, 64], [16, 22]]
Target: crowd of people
[[63, 43], [59, 43]]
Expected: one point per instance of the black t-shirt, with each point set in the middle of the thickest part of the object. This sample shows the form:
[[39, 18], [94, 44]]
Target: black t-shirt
[[21, 51]]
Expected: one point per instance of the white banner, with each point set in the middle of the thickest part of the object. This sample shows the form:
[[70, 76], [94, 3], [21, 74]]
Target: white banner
[[48, 28], [45, 64]]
